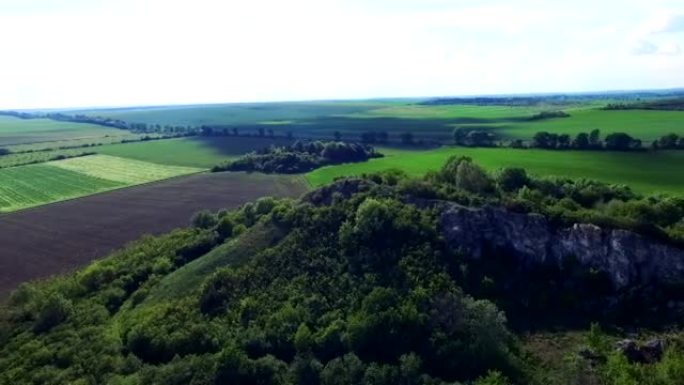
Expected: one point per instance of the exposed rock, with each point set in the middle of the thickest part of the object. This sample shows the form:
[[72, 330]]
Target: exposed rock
[[648, 353], [628, 258], [591, 356], [652, 350]]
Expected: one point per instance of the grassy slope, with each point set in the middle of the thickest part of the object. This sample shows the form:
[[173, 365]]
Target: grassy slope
[[645, 172], [192, 152], [33, 185], [15, 131], [234, 252]]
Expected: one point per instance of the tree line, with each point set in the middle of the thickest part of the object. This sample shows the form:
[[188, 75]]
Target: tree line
[[592, 140]]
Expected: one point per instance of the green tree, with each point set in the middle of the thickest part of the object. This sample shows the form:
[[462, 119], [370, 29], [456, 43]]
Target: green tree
[[595, 138]]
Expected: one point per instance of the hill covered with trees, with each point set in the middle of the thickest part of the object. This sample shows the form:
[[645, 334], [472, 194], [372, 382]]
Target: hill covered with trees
[[356, 283]]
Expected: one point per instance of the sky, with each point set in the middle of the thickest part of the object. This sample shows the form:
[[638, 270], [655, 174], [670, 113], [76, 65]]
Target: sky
[[83, 53]]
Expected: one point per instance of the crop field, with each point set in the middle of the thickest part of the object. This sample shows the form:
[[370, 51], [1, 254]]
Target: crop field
[[428, 122], [37, 184], [57, 238], [122, 170], [27, 186], [202, 152], [21, 131], [20, 159], [645, 172], [79, 142]]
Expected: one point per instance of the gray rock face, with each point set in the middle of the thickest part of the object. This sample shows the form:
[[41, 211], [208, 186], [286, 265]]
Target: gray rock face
[[628, 258]]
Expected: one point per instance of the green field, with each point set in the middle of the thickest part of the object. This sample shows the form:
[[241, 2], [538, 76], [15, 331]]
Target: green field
[[202, 152], [33, 185], [20, 159], [122, 170], [644, 125], [21, 131], [428, 122], [645, 172], [237, 113], [27, 186]]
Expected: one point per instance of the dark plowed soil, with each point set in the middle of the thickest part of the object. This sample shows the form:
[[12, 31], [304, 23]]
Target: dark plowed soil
[[56, 238]]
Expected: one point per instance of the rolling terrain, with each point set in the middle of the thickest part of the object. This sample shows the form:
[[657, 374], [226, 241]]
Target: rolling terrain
[[426, 122]]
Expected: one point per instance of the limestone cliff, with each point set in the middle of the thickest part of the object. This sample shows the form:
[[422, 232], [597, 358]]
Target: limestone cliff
[[628, 258]]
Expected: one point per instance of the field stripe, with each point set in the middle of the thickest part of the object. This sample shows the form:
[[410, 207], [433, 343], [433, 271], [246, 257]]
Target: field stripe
[[122, 170]]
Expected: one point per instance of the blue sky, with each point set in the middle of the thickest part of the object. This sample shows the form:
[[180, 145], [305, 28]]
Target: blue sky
[[68, 53]]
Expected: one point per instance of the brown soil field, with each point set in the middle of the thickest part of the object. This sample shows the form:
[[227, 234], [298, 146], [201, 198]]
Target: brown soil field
[[56, 238]]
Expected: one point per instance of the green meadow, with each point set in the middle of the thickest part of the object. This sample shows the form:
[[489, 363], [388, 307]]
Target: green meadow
[[645, 172], [646, 125]]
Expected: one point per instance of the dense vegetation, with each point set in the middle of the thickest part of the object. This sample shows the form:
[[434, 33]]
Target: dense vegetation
[[550, 115], [344, 287], [300, 157]]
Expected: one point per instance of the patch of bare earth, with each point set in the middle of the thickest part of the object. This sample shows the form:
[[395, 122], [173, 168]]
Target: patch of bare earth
[[60, 237]]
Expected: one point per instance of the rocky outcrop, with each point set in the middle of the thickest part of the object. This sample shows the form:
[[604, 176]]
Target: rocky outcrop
[[627, 258], [647, 353]]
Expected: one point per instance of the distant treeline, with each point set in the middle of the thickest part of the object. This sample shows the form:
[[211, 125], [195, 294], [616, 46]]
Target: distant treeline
[[665, 104], [300, 157], [615, 141], [533, 100]]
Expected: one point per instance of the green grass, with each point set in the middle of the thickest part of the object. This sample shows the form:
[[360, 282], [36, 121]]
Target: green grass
[[21, 131], [232, 253], [201, 152], [645, 172], [33, 185]]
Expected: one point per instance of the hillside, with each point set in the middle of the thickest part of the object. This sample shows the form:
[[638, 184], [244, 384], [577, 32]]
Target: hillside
[[382, 280]]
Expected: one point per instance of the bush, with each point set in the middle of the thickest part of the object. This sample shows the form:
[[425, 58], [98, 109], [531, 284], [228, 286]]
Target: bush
[[54, 310], [204, 220]]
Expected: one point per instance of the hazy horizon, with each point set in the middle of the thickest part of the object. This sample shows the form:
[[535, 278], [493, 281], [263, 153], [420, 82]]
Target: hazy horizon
[[106, 53]]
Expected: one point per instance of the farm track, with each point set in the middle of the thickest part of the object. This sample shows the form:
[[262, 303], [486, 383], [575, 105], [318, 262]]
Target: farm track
[[60, 237]]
